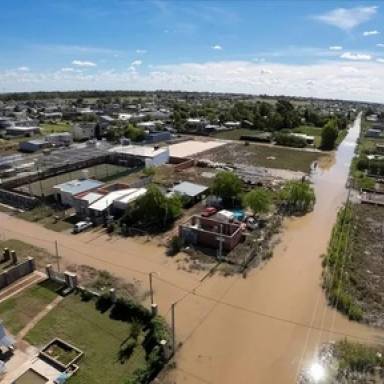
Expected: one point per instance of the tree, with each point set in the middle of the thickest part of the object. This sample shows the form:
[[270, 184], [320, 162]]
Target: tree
[[329, 135], [226, 185], [298, 196], [154, 207], [258, 200]]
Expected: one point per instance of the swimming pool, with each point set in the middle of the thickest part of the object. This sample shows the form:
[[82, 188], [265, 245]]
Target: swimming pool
[[30, 377]]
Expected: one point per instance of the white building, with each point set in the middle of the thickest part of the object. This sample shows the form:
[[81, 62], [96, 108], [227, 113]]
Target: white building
[[149, 156]]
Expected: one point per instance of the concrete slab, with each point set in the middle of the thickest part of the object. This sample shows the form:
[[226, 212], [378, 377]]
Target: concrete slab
[[193, 147]]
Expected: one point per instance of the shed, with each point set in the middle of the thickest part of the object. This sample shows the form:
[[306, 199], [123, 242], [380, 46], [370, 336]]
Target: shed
[[146, 155], [190, 190], [33, 145]]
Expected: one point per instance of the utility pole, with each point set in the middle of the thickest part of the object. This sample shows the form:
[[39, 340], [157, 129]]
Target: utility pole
[[57, 256], [173, 329], [151, 287]]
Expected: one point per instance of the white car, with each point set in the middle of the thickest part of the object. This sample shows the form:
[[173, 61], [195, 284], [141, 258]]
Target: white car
[[81, 226]]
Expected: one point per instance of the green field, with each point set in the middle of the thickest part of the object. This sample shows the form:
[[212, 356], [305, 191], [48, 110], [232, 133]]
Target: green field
[[59, 127], [235, 134], [17, 311], [97, 335]]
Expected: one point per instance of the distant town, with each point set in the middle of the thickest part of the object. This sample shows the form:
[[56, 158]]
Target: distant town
[[113, 204]]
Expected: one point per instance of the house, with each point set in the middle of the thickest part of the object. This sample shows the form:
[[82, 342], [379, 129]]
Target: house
[[83, 200], [22, 130], [50, 116], [65, 193], [157, 136], [60, 139], [33, 145], [190, 191], [380, 149], [136, 155], [232, 124], [373, 117], [211, 233], [373, 133], [195, 124], [114, 202], [84, 131], [149, 125], [124, 116], [310, 140]]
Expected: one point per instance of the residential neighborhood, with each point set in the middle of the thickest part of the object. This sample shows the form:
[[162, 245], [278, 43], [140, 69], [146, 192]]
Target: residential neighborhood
[[191, 192]]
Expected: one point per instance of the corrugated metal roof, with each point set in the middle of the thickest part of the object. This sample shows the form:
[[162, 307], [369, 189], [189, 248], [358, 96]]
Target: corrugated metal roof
[[189, 189], [77, 186]]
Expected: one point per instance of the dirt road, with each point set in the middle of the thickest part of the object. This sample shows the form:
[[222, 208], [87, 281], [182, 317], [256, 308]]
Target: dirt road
[[234, 330]]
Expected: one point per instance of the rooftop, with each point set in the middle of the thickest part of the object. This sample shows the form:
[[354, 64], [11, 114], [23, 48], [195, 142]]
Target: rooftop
[[74, 187], [189, 189], [138, 150], [124, 196]]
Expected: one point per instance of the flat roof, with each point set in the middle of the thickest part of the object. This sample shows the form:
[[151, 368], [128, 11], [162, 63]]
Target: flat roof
[[138, 150], [74, 187], [189, 189]]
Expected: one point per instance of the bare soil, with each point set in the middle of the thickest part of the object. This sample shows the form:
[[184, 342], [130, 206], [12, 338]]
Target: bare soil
[[265, 156]]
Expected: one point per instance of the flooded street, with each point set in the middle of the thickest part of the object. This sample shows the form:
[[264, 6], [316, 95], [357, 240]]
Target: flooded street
[[234, 330]]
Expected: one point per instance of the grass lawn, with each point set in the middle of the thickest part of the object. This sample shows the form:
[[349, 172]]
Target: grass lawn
[[59, 127], [17, 311], [265, 156], [100, 337]]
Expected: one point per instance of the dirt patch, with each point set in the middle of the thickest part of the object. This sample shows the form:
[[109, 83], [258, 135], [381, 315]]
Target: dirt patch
[[264, 156], [103, 281]]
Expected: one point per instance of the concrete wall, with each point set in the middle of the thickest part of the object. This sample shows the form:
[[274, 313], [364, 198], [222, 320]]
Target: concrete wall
[[18, 200], [17, 272]]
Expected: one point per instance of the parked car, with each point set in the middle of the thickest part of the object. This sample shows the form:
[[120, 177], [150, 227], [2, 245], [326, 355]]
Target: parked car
[[209, 211], [81, 226]]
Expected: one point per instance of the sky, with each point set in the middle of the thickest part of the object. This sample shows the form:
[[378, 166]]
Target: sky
[[325, 48]]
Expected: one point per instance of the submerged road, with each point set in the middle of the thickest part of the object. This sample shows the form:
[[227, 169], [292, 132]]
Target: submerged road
[[262, 329]]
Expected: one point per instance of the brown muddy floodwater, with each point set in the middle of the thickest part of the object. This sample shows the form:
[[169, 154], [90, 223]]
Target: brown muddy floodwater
[[258, 330], [268, 326]]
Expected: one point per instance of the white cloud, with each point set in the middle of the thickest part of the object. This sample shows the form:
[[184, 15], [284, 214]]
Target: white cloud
[[217, 47], [380, 60], [370, 33], [347, 18], [335, 48], [81, 63], [23, 69], [328, 79], [356, 56], [380, 45], [67, 69], [141, 51], [136, 63]]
